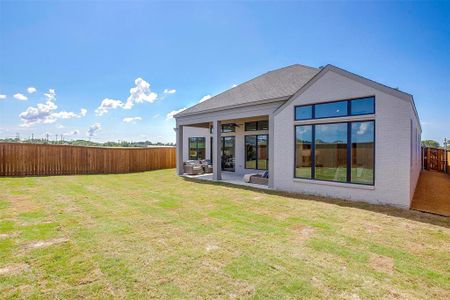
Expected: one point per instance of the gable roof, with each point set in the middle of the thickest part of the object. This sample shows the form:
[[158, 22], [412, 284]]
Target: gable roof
[[276, 85], [376, 85]]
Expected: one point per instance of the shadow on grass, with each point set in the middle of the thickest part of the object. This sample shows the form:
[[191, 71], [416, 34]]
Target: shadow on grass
[[377, 208]]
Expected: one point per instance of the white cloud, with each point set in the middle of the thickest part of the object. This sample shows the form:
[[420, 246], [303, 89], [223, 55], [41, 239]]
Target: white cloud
[[174, 112], [106, 105], [93, 128], [60, 126], [31, 90], [362, 128], [20, 97], [69, 114], [204, 98], [46, 113], [156, 116], [170, 91], [2, 97], [131, 119], [140, 93], [233, 85]]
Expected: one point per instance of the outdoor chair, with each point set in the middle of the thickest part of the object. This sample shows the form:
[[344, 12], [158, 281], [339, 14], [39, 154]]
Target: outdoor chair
[[207, 166], [192, 168]]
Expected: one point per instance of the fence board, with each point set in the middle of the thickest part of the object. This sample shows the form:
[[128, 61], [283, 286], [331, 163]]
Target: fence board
[[436, 159], [17, 159]]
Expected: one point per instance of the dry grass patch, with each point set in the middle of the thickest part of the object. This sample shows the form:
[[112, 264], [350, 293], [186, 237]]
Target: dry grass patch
[[14, 269], [46, 243], [382, 263], [302, 232]]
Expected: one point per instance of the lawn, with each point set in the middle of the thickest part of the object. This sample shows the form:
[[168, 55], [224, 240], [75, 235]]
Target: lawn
[[155, 235]]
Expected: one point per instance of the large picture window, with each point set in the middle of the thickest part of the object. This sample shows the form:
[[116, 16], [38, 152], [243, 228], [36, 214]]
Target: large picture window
[[331, 152], [343, 108], [363, 150], [256, 152], [303, 151], [197, 148], [341, 152]]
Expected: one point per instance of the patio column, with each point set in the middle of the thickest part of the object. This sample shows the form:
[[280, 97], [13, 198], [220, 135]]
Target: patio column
[[179, 156], [271, 150], [216, 148]]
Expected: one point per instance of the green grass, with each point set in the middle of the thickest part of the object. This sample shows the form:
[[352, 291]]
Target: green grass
[[155, 235]]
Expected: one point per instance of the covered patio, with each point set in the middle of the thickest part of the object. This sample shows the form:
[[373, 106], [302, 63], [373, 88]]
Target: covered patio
[[214, 141], [228, 177]]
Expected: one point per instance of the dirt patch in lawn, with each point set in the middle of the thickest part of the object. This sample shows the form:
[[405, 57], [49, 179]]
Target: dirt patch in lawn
[[14, 269], [382, 263], [22, 203], [46, 243], [8, 235], [302, 232]]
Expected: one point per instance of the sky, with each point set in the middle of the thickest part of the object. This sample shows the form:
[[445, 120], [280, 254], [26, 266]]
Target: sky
[[109, 71]]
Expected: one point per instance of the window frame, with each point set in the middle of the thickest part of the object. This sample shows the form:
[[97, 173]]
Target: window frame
[[231, 125], [349, 109], [196, 146], [349, 152], [256, 125], [256, 150]]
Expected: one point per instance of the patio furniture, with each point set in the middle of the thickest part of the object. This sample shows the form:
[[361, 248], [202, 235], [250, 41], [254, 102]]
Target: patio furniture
[[192, 168], [258, 179], [247, 177], [207, 165], [262, 179], [208, 168]]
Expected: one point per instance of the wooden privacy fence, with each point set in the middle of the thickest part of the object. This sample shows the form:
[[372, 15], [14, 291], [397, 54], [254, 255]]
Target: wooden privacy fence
[[436, 159], [37, 159]]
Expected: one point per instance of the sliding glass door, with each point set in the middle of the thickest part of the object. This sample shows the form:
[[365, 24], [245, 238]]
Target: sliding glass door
[[228, 153]]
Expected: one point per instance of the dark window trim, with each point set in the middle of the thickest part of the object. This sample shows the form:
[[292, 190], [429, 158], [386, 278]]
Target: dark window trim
[[245, 151], [196, 146], [349, 106], [349, 139], [257, 124], [228, 124]]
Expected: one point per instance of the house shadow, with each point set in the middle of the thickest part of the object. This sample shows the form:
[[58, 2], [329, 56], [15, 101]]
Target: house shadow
[[412, 215]]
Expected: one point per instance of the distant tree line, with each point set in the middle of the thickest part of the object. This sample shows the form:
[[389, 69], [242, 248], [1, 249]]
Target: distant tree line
[[88, 143], [434, 144]]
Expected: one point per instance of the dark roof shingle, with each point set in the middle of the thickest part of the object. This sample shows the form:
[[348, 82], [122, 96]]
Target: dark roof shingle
[[277, 84]]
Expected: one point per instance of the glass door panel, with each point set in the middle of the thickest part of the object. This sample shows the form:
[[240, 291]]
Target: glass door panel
[[228, 149]]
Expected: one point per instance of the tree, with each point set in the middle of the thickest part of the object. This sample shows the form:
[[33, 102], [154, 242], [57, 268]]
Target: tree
[[430, 143]]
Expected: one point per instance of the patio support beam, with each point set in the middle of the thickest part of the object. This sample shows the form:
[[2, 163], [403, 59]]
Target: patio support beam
[[216, 148], [179, 141], [271, 150]]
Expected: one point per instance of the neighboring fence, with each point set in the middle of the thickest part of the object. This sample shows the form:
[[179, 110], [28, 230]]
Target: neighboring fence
[[436, 159], [36, 159]]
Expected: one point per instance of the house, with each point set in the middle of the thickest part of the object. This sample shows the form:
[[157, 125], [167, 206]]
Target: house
[[322, 131]]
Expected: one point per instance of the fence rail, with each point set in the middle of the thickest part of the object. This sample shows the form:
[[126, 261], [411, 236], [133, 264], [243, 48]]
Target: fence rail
[[18, 159]]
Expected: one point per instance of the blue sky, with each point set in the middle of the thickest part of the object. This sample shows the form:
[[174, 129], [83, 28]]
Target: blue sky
[[80, 53]]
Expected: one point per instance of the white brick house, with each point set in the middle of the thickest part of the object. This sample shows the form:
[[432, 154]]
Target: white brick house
[[322, 131]]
